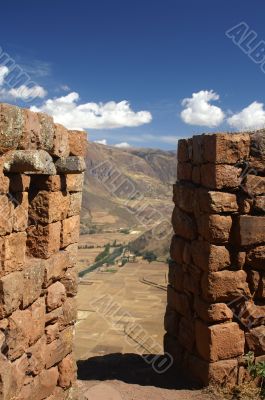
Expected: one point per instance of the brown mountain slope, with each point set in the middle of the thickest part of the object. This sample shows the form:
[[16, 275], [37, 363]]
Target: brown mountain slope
[[127, 188]]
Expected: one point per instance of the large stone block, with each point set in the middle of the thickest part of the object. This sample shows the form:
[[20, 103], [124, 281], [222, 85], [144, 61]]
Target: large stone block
[[219, 342], [19, 211], [184, 225], [176, 276], [42, 386], [220, 176], [75, 200], [56, 295], [226, 148], [224, 286], [31, 162], [74, 182], [70, 231], [11, 127], [177, 249], [255, 339], [55, 267], [215, 228], [183, 196], [209, 257], [78, 143], [61, 146], [249, 230], [184, 171], [70, 165], [210, 313], [70, 282], [259, 204], [256, 258], [51, 183], [183, 150], [33, 281], [216, 202], [47, 207], [47, 129], [14, 250], [67, 371], [186, 333], [216, 373], [6, 207], [43, 240], [254, 185], [69, 313], [11, 291], [59, 348]]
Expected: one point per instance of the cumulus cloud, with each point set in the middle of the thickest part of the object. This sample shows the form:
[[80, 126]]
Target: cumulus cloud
[[199, 111], [102, 141], [251, 117], [3, 72], [123, 145], [22, 92], [68, 112]]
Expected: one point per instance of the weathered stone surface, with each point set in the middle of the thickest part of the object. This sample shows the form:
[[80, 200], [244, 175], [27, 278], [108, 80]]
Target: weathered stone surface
[[219, 342], [171, 322], [46, 132], [33, 281], [37, 320], [31, 134], [59, 348], [55, 268], [197, 149], [19, 183], [42, 386], [191, 280], [74, 182], [47, 207], [69, 314], [56, 295], [259, 204], [4, 183], [14, 249], [177, 249], [183, 150], [70, 165], [11, 291], [186, 333], [67, 372], [19, 211], [217, 312], [11, 127], [5, 215], [257, 148], [209, 257], [43, 240], [183, 196], [176, 276], [70, 231], [183, 224], [224, 286], [61, 146], [226, 148], [254, 185], [54, 315], [255, 339], [50, 183], [220, 176], [196, 174], [216, 202], [70, 282], [215, 228], [249, 230], [256, 258], [52, 332], [72, 250], [78, 143], [249, 314], [178, 301], [30, 161], [184, 171], [217, 373], [75, 204]]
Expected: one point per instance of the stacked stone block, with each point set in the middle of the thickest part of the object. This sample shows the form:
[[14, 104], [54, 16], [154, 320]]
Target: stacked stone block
[[216, 293], [41, 178]]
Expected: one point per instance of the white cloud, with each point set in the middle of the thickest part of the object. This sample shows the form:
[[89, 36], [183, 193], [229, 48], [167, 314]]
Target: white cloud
[[251, 117], [67, 112], [102, 141], [123, 145], [3, 72], [22, 92], [199, 111]]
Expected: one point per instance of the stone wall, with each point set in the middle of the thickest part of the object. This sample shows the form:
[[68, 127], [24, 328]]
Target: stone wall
[[41, 177], [216, 293]]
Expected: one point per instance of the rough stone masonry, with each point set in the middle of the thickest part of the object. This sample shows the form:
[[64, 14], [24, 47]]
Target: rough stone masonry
[[216, 293], [41, 178]]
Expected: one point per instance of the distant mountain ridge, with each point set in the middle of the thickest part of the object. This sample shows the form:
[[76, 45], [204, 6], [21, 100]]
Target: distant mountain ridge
[[149, 173]]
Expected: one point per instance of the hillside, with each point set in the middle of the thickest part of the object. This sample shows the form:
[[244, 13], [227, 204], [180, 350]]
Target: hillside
[[127, 188]]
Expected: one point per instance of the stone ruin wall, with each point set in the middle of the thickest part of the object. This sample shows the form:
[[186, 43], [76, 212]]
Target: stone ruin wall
[[216, 293], [41, 177]]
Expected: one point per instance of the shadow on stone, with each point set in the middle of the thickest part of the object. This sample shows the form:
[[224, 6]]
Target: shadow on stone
[[130, 368]]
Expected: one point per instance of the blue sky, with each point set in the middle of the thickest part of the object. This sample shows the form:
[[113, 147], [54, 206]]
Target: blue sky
[[149, 54]]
